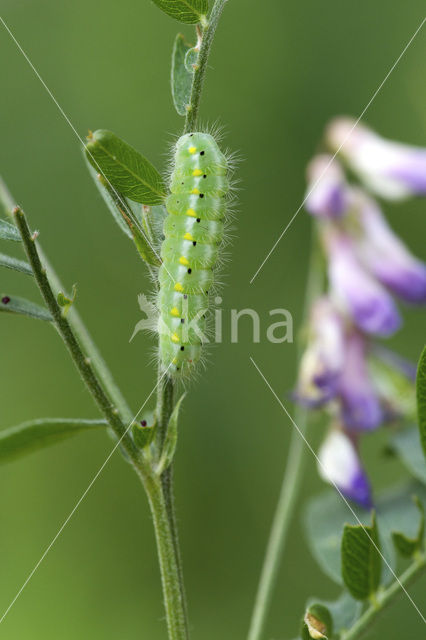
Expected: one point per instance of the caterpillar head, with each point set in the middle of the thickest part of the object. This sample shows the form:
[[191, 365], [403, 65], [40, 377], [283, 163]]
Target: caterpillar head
[[199, 153]]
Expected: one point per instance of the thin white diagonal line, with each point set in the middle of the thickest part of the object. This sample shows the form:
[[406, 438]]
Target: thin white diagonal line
[[373, 97], [68, 121], [337, 489], [78, 503]]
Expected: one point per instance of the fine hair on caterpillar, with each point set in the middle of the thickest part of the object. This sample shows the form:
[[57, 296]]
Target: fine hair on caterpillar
[[194, 232]]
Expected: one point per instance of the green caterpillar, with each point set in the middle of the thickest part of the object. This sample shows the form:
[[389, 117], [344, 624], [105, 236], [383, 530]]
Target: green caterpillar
[[193, 232]]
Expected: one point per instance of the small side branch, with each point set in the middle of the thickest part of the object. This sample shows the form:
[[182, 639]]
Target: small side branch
[[386, 598]]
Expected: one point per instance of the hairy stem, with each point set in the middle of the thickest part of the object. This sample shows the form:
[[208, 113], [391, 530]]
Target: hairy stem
[[80, 359], [169, 564], [292, 480], [76, 323], [200, 72], [385, 598]]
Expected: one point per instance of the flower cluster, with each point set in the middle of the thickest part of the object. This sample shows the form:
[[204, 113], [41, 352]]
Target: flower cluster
[[344, 369]]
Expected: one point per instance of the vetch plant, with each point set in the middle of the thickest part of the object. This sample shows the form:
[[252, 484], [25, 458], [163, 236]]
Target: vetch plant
[[360, 270]]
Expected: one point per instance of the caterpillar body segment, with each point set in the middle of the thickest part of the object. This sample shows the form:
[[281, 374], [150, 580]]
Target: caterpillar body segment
[[193, 232]]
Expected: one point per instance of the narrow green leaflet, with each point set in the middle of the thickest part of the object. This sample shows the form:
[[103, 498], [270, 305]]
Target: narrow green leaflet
[[407, 546], [17, 265], [37, 434], [187, 11], [20, 306], [108, 199], [126, 169], [181, 79], [9, 232], [361, 559], [170, 440], [407, 446], [421, 398], [124, 213], [317, 622]]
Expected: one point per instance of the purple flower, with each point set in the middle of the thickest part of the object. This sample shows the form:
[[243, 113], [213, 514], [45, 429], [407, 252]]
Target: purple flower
[[360, 404], [326, 196], [364, 299], [386, 256], [322, 361], [339, 464], [390, 169]]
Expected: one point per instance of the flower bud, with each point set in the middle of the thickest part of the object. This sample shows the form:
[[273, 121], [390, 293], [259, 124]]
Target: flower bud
[[326, 196], [390, 169], [339, 464]]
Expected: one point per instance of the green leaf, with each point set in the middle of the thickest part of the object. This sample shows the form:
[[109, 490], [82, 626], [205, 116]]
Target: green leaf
[[361, 559], [143, 431], [9, 232], [16, 265], [108, 199], [181, 79], [406, 444], [127, 215], [327, 514], [187, 11], [317, 622], [344, 611], [36, 434], [421, 398], [170, 441], [126, 169], [408, 546], [20, 306]]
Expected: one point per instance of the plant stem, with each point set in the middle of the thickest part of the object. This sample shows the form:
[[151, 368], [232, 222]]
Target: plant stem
[[292, 480], [76, 323], [200, 71], [165, 404], [82, 362], [165, 535], [385, 598], [169, 561]]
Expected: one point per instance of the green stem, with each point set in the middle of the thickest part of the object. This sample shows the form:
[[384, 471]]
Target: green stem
[[80, 359], [200, 71], [165, 535], [76, 323], [292, 480], [385, 598], [174, 600], [165, 404]]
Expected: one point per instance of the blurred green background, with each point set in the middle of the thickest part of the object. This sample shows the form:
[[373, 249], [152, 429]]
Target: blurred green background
[[278, 72]]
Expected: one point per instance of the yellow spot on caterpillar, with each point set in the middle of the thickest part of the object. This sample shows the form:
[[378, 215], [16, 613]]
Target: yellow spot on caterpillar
[[187, 236], [195, 191], [184, 261], [192, 149], [174, 361], [175, 337], [178, 287], [191, 212], [175, 312], [197, 172]]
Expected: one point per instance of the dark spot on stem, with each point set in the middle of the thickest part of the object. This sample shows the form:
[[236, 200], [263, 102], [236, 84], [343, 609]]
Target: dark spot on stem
[[5, 300]]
